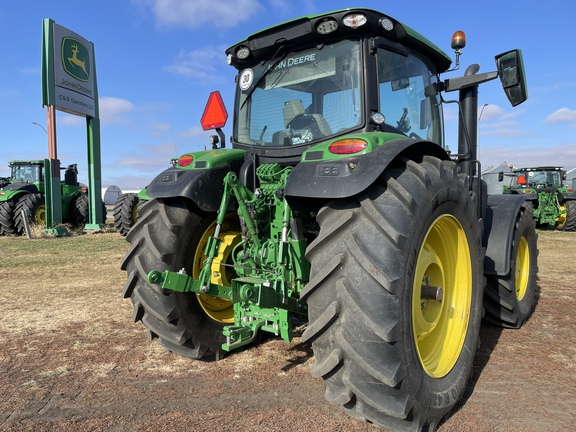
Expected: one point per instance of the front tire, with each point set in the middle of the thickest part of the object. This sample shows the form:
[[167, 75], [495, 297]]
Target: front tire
[[510, 300], [388, 351], [171, 234], [35, 206]]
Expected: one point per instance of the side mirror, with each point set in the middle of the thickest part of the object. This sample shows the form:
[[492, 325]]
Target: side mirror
[[511, 72], [501, 176]]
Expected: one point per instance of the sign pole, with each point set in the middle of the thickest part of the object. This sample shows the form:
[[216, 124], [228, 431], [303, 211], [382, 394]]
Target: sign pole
[[94, 180], [53, 197]]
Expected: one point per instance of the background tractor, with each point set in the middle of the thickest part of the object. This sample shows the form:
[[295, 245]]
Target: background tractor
[[554, 204], [23, 193], [339, 205]]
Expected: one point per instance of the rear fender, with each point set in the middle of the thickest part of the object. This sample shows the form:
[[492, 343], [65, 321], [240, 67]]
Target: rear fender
[[204, 186], [566, 195], [14, 189], [312, 183], [499, 225]]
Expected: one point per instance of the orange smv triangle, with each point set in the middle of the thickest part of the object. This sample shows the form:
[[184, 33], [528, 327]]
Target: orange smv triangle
[[521, 180], [215, 114]]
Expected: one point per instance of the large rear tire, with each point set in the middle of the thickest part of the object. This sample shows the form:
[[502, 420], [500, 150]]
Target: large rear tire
[[510, 300], [7, 223], [126, 212], [171, 234], [35, 206], [79, 212], [567, 221], [392, 348]]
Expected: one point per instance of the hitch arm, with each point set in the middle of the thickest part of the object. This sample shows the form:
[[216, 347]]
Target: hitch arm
[[181, 282]]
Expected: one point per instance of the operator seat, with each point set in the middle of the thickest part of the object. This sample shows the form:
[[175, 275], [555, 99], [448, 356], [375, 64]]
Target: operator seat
[[295, 118]]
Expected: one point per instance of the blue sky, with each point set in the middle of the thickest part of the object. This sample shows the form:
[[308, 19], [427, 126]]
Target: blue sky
[[158, 60]]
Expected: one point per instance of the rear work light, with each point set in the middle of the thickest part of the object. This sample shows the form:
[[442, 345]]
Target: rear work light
[[328, 26], [347, 146], [185, 160], [355, 20]]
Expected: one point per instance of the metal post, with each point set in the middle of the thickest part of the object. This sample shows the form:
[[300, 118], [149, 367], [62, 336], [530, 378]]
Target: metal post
[[53, 193]]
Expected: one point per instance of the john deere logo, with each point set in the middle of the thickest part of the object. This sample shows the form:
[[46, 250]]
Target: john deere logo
[[75, 59]]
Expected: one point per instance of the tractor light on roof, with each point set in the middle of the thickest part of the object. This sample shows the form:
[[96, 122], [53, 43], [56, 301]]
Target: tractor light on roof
[[242, 53], [185, 160], [355, 20], [347, 146], [328, 26], [229, 59], [387, 24], [458, 40]]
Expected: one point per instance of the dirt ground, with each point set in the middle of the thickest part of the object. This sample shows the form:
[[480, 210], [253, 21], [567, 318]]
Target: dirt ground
[[72, 360]]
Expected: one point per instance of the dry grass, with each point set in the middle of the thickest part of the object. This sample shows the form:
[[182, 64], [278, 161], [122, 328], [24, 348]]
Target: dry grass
[[72, 358]]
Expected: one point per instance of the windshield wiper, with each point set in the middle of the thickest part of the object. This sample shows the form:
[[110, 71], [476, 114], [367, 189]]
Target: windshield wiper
[[271, 66]]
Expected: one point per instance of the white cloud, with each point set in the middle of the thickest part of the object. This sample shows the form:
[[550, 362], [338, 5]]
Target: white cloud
[[562, 115], [151, 158], [160, 126], [115, 110], [199, 13], [193, 132], [72, 120], [198, 64], [489, 112], [504, 129], [525, 155]]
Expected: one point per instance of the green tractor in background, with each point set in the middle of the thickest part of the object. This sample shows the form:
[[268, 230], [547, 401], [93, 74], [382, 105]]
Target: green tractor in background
[[339, 205], [554, 204], [23, 195]]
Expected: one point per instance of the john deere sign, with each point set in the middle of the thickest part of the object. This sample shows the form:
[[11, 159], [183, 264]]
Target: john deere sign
[[69, 84], [68, 75]]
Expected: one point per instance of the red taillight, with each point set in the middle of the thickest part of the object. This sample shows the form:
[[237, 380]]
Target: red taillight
[[185, 160], [347, 146]]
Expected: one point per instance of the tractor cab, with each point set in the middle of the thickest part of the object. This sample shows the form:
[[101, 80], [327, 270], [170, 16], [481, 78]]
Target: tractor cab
[[27, 171], [324, 77], [540, 178]]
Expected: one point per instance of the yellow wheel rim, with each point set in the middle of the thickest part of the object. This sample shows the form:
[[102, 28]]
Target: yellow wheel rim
[[522, 271], [134, 213], [218, 309], [561, 220], [40, 215], [442, 296]]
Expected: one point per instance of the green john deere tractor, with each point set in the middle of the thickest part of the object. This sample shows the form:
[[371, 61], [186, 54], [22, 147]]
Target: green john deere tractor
[[22, 195], [554, 204], [339, 205]]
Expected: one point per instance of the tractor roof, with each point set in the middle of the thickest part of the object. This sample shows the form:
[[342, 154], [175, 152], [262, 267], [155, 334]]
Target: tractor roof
[[303, 30], [542, 168], [27, 162]]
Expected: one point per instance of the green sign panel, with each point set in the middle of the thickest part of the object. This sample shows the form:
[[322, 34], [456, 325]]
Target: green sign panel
[[68, 72]]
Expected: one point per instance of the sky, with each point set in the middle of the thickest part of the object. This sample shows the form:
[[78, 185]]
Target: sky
[[157, 61]]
